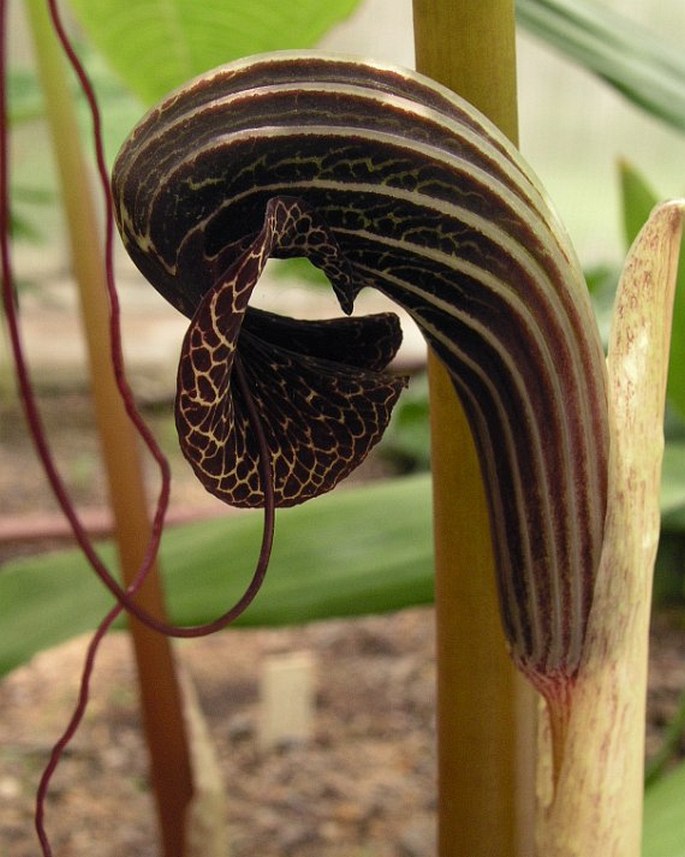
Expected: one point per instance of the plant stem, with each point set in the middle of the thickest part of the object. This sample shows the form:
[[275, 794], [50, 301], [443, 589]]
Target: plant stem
[[163, 722], [486, 713], [594, 804]]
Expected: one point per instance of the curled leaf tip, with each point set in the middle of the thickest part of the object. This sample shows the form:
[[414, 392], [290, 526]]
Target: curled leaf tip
[[384, 179]]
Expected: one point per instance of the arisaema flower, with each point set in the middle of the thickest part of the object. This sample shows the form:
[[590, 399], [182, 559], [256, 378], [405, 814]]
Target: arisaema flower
[[384, 180]]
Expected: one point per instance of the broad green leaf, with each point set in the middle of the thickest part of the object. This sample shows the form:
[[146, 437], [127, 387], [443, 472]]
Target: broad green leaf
[[357, 551], [155, 45], [638, 201], [647, 69], [664, 829]]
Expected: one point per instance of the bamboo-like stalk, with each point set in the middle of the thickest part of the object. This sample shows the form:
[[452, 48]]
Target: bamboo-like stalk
[[163, 721], [485, 711], [594, 805]]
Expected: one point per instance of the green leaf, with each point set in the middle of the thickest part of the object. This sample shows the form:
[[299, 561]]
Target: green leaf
[[298, 269], [28, 227], [668, 573], [155, 45], [407, 438], [664, 831], [602, 281], [670, 742], [644, 67], [673, 487], [356, 551], [638, 201], [21, 229], [25, 103]]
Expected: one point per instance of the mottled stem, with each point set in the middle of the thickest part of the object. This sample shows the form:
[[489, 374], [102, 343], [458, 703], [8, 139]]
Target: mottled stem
[[592, 803]]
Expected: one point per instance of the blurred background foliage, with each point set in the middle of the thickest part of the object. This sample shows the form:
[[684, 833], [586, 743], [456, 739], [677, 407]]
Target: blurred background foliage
[[135, 52]]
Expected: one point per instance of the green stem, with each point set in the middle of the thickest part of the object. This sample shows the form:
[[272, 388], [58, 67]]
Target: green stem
[[163, 721], [485, 711]]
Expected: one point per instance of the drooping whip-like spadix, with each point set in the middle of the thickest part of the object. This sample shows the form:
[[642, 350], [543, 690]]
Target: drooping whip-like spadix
[[387, 180]]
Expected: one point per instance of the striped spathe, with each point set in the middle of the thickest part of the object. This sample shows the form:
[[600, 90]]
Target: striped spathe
[[386, 180]]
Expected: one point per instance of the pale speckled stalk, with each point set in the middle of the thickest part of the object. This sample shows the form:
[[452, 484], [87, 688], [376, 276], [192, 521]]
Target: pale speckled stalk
[[591, 796]]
